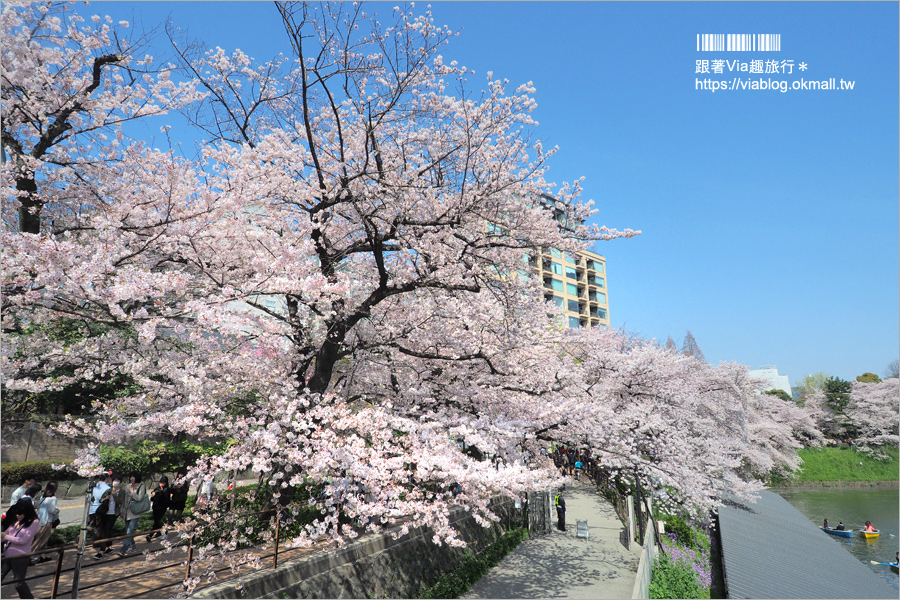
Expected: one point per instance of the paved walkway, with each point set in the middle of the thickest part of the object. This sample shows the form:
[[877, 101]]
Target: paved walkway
[[560, 565]]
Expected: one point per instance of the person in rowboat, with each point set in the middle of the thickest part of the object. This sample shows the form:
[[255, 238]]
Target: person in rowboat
[[869, 526], [826, 525], [840, 526]]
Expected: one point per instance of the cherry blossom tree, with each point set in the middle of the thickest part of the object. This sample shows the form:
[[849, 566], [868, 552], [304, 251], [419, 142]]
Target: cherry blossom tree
[[870, 416], [348, 200], [874, 409], [68, 87], [338, 286]]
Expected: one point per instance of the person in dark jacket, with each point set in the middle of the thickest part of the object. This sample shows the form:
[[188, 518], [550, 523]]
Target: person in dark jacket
[[161, 500], [560, 510], [179, 496]]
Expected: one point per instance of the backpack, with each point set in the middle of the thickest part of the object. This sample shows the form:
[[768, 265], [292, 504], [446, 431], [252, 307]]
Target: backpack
[[103, 507]]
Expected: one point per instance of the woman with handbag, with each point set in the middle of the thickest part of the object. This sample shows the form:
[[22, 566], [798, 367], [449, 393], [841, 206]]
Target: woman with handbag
[[48, 513], [138, 503]]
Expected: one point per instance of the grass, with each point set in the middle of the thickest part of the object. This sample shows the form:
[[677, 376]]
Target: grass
[[843, 464]]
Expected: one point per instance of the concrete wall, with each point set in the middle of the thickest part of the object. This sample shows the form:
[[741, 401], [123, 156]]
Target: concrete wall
[[376, 566], [24, 440]]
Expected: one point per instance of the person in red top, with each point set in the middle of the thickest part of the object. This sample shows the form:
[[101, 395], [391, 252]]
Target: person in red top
[[869, 526], [17, 538]]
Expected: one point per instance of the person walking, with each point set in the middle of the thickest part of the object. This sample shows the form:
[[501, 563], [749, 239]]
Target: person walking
[[47, 513], [560, 510], [28, 480], [33, 493], [17, 539], [161, 499], [119, 494], [135, 496], [206, 492], [179, 496], [103, 514]]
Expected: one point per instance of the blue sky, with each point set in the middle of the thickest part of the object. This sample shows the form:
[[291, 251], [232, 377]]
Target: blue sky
[[769, 219]]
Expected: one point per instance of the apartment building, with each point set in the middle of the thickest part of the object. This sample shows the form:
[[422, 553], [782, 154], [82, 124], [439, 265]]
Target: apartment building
[[576, 283]]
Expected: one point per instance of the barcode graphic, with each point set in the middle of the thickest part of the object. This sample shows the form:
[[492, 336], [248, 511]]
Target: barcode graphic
[[738, 42]]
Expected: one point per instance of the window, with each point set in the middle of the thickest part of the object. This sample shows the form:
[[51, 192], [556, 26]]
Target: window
[[573, 306], [571, 273], [601, 297], [555, 253], [574, 322], [601, 312], [556, 268], [570, 258], [555, 284], [558, 301], [572, 289], [523, 275], [596, 266], [598, 281]]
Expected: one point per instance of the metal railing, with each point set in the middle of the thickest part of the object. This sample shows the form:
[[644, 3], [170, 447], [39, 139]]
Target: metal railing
[[187, 540], [644, 576]]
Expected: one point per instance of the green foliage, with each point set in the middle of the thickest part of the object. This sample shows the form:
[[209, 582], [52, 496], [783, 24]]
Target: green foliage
[[64, 535], [837, 393], [808, 385], [473, 568], [780, 394], [686, 535], [13, 472], [155, 457], [674, 580], [843, 464], [869, 378]]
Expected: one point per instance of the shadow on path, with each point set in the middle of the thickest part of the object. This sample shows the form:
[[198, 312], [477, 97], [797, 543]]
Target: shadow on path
[[560, 565]]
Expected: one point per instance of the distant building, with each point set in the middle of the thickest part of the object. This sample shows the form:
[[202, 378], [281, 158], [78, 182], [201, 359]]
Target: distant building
[[576, 284], [776, 381]]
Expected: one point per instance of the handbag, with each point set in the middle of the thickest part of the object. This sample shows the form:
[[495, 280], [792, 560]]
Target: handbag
[[55, 523], [141, 506]]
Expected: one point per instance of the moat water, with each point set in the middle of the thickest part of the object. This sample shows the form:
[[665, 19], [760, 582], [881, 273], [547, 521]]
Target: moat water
[[855, 506]]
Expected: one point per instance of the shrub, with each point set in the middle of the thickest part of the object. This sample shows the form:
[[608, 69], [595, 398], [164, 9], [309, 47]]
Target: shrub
[[685, 534], [12, 473], [780, 394], [869, 378], [674, 580], [154, 457]]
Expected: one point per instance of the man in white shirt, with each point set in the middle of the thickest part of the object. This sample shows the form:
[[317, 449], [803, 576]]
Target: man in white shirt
[[29, 480], [103, 514]]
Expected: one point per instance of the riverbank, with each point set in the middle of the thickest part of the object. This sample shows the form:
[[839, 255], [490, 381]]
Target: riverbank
[[812, 485], [843, 467]]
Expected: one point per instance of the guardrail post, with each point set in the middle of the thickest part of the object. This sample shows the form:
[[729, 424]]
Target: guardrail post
[[56, 574], [277, 531], [190, 557], [629, 501]]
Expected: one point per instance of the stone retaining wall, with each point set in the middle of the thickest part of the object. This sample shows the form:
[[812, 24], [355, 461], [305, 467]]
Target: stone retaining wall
[[376, 566], [24, 440]]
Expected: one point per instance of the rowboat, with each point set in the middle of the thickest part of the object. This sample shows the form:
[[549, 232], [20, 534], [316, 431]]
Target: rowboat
[[870, 535], [838, 532]]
